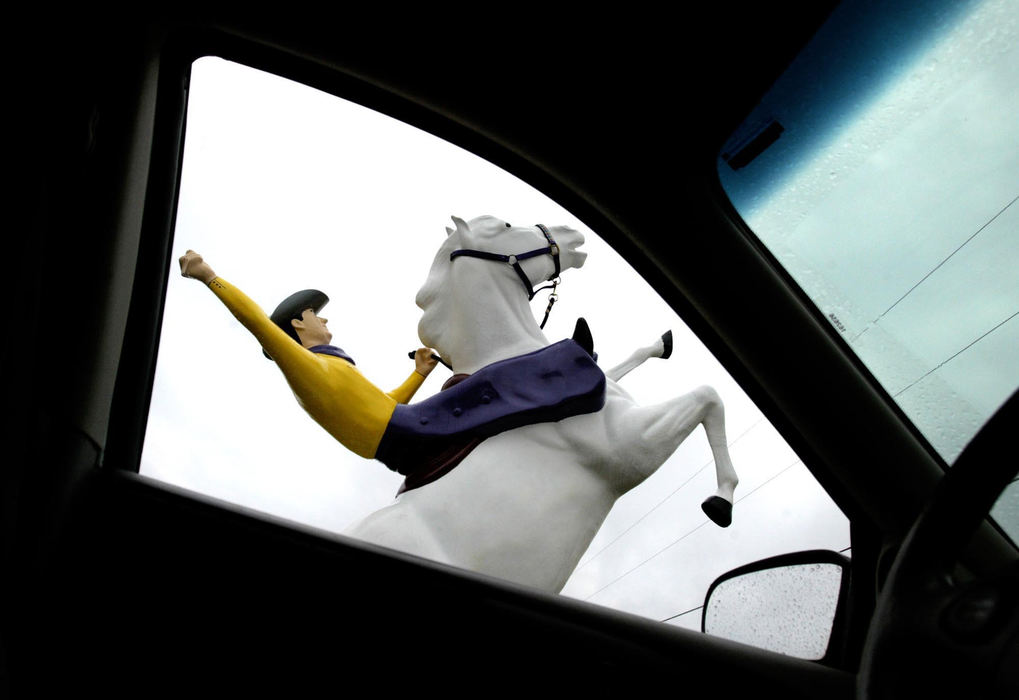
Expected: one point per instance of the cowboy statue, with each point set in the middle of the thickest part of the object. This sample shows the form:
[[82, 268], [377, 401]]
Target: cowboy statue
[[426, 440], [529, 444]]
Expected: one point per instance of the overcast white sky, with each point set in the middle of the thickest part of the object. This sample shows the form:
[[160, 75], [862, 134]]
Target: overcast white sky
[[286, 188]]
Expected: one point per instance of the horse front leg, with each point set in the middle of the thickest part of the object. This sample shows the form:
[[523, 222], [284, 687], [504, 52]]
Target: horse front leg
[[662, 348], [660, 429]]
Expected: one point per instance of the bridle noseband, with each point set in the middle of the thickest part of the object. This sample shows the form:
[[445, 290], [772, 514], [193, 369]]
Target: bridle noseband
[[514, 261]]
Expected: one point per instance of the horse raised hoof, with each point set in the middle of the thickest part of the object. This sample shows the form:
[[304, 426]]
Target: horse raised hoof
[[719, 510], [666, 345]]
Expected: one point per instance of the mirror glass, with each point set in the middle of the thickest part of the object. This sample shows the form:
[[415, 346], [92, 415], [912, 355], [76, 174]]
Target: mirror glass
[[788, 609]]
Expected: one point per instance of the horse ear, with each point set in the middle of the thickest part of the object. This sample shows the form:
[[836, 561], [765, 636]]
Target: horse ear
[[463, 230], [461, 225]]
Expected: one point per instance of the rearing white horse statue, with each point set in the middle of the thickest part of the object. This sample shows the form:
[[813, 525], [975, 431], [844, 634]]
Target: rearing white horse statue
[[525, 504]]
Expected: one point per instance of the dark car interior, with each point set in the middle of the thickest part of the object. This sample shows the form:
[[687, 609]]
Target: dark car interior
[[115, 584]]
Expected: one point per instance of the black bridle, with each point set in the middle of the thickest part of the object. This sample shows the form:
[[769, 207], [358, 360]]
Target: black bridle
[[514, 261]]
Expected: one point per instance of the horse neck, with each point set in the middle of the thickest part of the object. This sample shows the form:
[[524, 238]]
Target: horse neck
[[491, 321]]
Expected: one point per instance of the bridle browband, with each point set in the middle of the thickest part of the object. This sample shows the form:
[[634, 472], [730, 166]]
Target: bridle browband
[[514, 261]]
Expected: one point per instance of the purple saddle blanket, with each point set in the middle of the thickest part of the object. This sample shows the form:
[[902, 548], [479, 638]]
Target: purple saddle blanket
[[556, 382]]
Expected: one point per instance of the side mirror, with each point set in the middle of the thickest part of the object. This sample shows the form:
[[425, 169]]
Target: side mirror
[[793, 604]]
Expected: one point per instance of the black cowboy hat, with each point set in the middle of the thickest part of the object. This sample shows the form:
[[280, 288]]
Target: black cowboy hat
[[293, 307]]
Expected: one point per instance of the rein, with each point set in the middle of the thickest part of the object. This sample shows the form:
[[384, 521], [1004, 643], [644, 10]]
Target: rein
[[514, 261]]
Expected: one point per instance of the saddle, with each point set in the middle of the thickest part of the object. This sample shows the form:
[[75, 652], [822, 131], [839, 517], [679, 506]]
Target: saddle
[[428, 439]]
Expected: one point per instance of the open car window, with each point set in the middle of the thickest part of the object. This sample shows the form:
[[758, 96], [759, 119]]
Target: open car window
[[285, 188], [882, 172]]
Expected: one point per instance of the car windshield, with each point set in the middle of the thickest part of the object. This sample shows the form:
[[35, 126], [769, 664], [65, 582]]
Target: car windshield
[[882, 172]]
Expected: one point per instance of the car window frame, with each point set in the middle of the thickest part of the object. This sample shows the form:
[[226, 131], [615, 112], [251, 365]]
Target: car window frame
[[135, 374]]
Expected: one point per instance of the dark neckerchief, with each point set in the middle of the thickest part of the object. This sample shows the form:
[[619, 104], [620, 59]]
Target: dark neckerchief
[[334, 351]]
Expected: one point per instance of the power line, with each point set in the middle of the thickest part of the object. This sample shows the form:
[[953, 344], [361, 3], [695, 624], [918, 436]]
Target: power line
[[699, 607], [684, 536], [935, 269], [662, 502], [949, 359]]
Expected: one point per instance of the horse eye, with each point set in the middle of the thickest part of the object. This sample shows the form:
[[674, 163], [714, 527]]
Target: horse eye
[[509, 226]]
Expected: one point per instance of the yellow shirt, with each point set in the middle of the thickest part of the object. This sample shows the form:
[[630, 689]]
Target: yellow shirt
[[333, 391]]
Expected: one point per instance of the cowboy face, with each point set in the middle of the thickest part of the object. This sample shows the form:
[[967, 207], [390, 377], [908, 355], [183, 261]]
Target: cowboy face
[[311, 329]]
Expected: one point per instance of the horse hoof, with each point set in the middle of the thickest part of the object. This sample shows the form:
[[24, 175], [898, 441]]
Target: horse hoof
[[667, 343], [719, 510]]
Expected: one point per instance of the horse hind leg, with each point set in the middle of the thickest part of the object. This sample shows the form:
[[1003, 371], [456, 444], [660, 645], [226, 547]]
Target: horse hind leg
[[661, 428], [662, 347], [718, 507]]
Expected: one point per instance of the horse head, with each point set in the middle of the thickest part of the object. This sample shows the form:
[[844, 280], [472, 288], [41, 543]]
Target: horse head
[[507, 264], [496, 237]]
